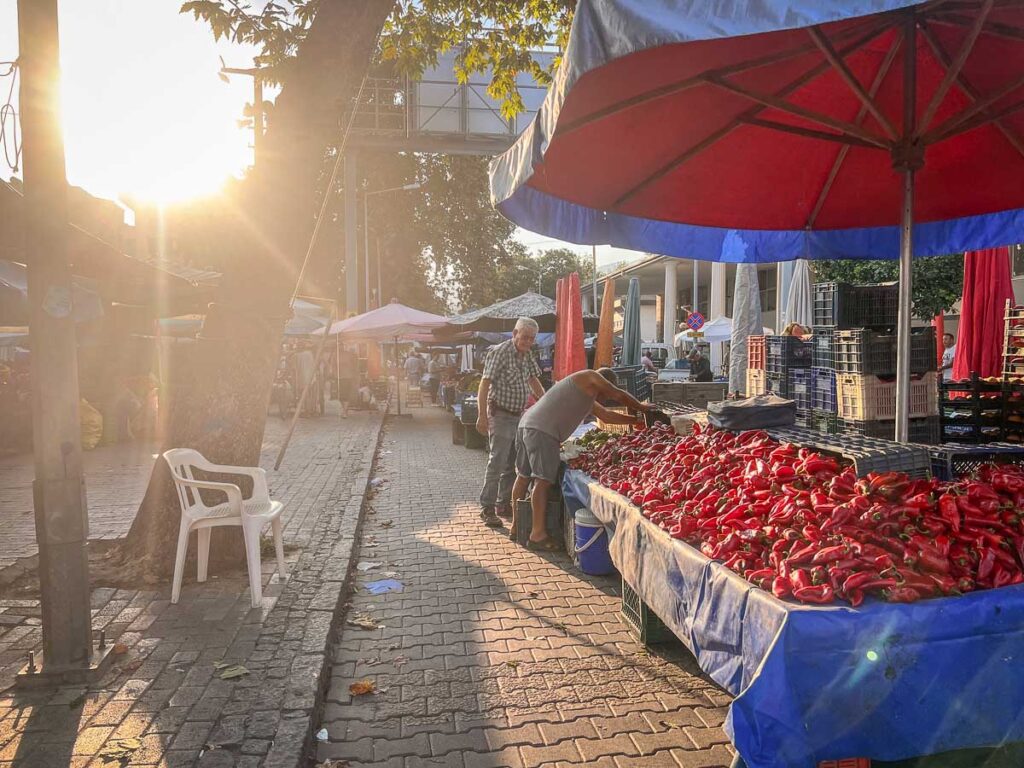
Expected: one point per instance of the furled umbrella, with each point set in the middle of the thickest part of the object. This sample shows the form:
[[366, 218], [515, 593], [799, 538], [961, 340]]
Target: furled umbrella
[[746, 322], [572, 349], [800, 303], [766, 131], [606, 330], [631, 325], [987, 288]]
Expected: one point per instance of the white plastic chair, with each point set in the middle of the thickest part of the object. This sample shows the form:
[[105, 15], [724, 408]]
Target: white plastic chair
[[251, 514]]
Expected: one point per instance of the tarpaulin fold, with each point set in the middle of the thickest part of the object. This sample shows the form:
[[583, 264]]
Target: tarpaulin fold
[[987, 287], [883, 681]]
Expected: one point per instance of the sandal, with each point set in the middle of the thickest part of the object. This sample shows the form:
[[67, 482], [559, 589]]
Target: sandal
[[547, 544]]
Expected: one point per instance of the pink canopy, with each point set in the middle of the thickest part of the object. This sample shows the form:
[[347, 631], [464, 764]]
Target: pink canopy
[[987, 286], [387, 322]]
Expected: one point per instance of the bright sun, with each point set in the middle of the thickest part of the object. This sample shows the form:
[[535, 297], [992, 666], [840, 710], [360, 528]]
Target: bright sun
[[144, 111]]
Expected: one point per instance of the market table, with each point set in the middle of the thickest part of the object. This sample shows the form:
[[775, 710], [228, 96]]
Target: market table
[[883, 681]]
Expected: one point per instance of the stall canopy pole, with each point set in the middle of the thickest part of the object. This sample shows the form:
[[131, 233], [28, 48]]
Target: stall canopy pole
[[908, 160]]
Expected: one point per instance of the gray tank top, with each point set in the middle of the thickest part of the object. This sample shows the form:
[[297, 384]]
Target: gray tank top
[[560, 411]]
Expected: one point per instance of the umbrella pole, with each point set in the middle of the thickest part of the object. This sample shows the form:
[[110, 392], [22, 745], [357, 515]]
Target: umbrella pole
[[908, 160]]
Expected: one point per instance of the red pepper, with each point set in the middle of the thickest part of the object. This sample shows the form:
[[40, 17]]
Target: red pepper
[[902, 595], [818, 595], [781, 587], [855, 596], [831, 554], [800, 579], [859, 579], [949, 511]]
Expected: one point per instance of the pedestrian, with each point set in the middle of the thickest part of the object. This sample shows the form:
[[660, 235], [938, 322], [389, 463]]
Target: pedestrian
[[647, 362], [948, 353], [413, 369], [548, 424], [510, 375], [700, 368], [347, 368]]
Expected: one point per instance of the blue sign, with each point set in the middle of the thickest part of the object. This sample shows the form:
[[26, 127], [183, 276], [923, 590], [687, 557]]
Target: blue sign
[[695, 320]]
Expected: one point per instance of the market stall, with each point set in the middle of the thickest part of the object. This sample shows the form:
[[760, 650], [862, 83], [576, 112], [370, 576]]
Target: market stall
[[894, 663]]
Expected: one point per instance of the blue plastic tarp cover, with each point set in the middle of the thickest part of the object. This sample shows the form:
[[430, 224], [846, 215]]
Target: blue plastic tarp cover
[[883, 681]]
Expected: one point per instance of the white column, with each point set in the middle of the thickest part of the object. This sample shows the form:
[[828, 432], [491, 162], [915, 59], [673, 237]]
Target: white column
[[671, 299], [716, 309]]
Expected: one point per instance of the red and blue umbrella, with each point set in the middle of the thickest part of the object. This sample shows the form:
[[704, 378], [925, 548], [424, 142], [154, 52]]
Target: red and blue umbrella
[[763, 131]]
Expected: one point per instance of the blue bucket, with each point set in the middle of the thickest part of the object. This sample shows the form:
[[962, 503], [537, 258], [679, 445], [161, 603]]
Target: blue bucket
[[592, 545]]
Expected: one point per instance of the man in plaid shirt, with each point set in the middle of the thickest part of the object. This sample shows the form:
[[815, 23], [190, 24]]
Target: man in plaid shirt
[[510, 375]]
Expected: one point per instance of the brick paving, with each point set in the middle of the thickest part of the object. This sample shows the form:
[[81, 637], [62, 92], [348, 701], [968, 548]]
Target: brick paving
[[492, 655], [165, 691]]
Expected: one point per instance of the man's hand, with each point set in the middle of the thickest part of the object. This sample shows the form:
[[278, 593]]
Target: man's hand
[[481, 424]]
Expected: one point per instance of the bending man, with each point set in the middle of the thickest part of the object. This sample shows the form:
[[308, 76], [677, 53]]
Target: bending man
[[550, 422]]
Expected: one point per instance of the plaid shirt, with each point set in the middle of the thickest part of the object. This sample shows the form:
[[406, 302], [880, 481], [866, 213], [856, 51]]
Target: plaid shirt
[[510, 375]]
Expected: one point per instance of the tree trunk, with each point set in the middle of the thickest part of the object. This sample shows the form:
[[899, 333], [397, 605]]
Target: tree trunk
[[218, 399]]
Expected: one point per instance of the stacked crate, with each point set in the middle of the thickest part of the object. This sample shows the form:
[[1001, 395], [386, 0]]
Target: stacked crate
[[788, 372], [977, 411], [755, 366], [853, 379]]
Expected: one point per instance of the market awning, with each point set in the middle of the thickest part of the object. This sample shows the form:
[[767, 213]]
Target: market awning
[[503, 315], [86, 303]]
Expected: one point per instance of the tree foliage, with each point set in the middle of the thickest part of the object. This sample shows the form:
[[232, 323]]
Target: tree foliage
[[489, 36], [938, 280]]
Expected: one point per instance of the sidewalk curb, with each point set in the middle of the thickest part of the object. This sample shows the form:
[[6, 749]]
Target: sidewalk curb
[[294, 745]]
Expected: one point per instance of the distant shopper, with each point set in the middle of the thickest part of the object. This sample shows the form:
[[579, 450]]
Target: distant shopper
[[647, 362], [511, 374], [414, 369], [948, 353], [700, 368], [550, 422], [794, 329]]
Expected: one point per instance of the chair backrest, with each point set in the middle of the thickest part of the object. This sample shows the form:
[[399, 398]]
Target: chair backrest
[[181, 461]]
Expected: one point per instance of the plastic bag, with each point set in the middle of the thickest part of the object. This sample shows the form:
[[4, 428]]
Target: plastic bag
[[91, 422]]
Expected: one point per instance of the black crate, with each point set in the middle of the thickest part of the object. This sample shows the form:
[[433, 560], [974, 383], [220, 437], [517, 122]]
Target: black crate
[[643, 623], [473, 439], [924, 431], [458, 431], [633, 379], [866, 454], [470, 411], [800, 390], [777, 384], [803, 419], [826, 422], [871, 352], [840, 305], [785, 352], [823, 390], [951, 462], [523, 520], [822, 350]]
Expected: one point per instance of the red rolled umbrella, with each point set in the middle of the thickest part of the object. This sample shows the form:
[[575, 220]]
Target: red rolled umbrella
[[987, 287]]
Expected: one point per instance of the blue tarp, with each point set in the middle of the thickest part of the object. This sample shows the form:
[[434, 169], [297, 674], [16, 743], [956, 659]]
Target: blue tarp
[[883, 681], [604, 31]]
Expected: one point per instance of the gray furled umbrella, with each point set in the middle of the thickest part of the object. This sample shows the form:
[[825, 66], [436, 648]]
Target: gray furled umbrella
[[631, 325], [746, 321], [800, 303]]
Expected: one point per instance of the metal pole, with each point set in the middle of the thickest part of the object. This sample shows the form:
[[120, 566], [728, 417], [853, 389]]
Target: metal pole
[[696, 277], [593, 256], [257, 119], [538, 281], [351, 237], [906, 164], [366, 251], [380, 296], [61, 515]]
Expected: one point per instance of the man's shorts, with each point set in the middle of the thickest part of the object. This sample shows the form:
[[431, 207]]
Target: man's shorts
[[537, 454]]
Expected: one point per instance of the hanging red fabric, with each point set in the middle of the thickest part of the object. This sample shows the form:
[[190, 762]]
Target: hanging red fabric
[[575, 354], [557, 371], [987, 287]]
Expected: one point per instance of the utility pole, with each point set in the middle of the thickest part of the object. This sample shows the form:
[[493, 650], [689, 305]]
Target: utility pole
[[61, 517], [258, 122], [593, 255]]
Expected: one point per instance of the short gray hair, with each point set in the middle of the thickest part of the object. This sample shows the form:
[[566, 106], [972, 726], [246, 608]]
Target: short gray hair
[[527, 323]]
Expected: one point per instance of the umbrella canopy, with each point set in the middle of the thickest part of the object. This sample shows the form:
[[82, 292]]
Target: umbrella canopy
[[631, 325], [987, 287], [85, 301], [769, 130], [606, 329], [502, 316], [716, 331], [800, 304], [385, 322]]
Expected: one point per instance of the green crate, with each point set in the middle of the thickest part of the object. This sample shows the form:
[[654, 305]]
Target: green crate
[[474, 439], [643, 623], [458, 431]]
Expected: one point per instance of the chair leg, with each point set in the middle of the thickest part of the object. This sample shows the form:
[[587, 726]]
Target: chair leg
[[179, 561], [277, 527], [251, 534], [204, 553]]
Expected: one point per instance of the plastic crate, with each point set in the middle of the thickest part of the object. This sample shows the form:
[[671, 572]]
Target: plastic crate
[[695, 393], [866, 351], [803, 419], [755, 353], [643, 623], [840, 305], [924, 431], [633, 379], [872, 398], [785, 352], [825, 422], [777, 384], [523, 520], [615, 429], [755, 382], [470, 411], [800, 390], [474, 439], [866, 454], [951, 462], [823, 390], [458, 431], [822, 351]]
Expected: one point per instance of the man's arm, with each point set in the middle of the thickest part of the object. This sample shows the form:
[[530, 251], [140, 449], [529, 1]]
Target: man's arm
[[536, 387], [614, 417], [481, 417], [606, 390]]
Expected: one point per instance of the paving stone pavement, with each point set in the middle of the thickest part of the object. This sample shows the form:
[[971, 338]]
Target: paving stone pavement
[[492, 655], [166, 690]]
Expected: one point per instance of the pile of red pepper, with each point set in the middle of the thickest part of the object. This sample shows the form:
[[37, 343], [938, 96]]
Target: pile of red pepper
[[796, 523]]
